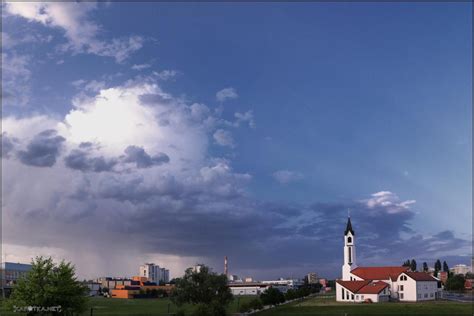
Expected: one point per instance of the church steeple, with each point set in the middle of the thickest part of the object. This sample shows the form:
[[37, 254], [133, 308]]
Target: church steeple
[[349, 227], [349, 251]]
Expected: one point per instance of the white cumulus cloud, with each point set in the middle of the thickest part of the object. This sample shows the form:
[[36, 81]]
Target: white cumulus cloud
[[389, 201], [226, 94], [224, 138]]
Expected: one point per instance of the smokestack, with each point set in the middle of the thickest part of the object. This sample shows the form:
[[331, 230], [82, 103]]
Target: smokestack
[[226, 271]]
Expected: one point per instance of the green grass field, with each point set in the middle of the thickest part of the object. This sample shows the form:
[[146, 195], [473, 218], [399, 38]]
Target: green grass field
[[312, 306], [139, 307], [328, 306]]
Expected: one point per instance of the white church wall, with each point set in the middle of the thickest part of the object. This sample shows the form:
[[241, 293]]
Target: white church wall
[[426, 290], [339, 293], [406, 289]]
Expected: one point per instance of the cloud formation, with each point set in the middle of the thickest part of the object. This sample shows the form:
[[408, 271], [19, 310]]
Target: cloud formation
[[246, 117], [224, 138], [42, 150], [287, 176], [388, 200], [142, 159], [16, 76], [79, 159], [7, 145], [81, 32], [146, 181], [139, 67], [226, 94]]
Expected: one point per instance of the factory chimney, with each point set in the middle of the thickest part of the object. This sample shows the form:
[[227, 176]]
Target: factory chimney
[[226, 271]]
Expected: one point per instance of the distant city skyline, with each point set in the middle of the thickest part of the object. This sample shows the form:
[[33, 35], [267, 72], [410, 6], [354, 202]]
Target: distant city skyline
[[196, 131]]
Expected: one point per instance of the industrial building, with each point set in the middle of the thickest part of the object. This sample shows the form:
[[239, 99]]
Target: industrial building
[[10, 273]]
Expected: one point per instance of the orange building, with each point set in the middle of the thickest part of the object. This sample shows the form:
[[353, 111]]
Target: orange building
[[140, 285], [125, 291]]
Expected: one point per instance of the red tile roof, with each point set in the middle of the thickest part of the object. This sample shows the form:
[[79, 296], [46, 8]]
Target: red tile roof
[[363, 287], [353, 286], [378, 273], [373, 288], [420, 276]]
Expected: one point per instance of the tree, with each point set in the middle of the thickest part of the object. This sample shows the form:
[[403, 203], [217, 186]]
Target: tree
[[456, 283], [413, 265], [425, 267], [445, 267], [206, 289], [407, 263], [50, 285], [272, 296], [290, 295], [437, 266]]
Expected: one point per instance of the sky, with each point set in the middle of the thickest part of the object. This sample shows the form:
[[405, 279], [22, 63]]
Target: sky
[[182, 133]]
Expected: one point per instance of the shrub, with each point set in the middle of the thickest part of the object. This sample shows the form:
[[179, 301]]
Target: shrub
[[272, 296], [256, 304]]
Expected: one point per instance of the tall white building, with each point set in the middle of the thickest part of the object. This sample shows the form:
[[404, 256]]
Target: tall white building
[[154, 273]]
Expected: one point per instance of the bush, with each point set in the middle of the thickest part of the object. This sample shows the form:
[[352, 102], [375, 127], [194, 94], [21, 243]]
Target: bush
[[456, 283], [180, 312], [290, 295], [272, 296], [213, 309], [256, 304]]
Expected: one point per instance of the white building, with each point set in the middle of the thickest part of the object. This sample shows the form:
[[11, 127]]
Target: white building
[[254, 288], [460, 269], [379, 284], [154, 273], [289, 283], [234, 278]]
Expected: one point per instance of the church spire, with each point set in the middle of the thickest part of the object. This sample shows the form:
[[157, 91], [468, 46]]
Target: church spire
[[349, 227]]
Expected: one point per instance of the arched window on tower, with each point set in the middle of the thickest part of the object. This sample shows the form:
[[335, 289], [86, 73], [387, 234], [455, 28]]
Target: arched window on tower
[[349, 239]]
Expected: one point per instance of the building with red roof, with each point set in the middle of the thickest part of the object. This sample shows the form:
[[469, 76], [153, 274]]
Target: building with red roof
[[378, 284]]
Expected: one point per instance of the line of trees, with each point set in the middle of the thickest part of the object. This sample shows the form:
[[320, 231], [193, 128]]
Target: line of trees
[[437, 266]]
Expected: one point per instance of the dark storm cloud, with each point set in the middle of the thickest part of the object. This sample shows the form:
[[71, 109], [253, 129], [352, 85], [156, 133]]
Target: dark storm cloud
[[80, 160], [178, 220], [194, 218], [137, 155], [42, 150]]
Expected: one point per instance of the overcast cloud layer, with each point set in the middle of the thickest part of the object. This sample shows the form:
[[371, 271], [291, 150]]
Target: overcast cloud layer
[[133, 173]]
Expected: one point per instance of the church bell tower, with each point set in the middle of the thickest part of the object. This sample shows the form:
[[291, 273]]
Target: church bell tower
[[349, 251]]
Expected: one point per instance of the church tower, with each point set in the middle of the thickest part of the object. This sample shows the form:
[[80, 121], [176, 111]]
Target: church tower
[[349, 251]]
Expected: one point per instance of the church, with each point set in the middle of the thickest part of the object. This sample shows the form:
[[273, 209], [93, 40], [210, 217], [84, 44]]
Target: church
[[381, 284]]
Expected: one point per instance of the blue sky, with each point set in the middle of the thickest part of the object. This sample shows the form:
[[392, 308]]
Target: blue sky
[[329, 107]]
